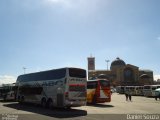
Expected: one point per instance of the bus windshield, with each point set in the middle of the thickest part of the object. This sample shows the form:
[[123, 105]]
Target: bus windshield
[[104, 83], [92, 85], [79, 73]]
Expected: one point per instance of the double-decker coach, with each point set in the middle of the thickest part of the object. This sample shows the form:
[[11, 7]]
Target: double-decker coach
[[65, 87]]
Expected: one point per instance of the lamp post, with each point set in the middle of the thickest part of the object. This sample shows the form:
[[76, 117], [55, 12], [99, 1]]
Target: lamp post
[[24, 69], [107, 61]]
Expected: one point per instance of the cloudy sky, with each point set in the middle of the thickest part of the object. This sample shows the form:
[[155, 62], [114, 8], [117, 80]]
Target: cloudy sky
[[48, 34]]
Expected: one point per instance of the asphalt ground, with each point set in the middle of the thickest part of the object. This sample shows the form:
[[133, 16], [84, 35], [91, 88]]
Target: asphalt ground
[[140, 108]]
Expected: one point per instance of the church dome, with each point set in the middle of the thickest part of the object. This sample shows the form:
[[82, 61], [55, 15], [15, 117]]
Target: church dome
[[118, 62]]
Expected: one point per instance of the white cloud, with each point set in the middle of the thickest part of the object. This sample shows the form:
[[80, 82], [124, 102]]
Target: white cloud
[[5, 79], [64, 3], [156, 77], [83, 6]]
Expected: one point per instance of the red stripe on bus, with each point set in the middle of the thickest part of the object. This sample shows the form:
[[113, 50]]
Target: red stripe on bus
[[76, 85]]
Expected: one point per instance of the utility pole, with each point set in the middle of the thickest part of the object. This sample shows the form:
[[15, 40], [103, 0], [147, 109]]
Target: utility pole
[[107, 61], [24, 69]]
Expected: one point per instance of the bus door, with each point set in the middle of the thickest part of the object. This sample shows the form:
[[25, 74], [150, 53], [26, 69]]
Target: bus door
[[92, 91], [104, 89]]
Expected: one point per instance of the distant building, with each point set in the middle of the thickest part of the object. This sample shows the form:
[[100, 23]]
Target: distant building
[[121, 73], [91, 63], [158, 81]]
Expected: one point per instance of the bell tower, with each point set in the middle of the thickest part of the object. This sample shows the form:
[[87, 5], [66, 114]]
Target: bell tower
[[91, 63]]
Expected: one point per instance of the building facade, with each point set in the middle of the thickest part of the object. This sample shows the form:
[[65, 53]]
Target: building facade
[[121, 73]]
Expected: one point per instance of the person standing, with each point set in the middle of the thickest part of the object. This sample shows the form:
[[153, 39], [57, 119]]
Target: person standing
[[130, 95], [126, 94]]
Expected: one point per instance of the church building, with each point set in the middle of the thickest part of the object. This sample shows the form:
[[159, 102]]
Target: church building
[[121, 73]]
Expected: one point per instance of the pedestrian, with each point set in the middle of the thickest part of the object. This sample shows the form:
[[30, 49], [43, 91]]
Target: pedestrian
[[126, 94], [130, 96]]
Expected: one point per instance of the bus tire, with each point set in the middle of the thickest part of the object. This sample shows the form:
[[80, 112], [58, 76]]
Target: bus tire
[[4, 97], [22, 100], [50, 104], [18, 99], [43, 103]]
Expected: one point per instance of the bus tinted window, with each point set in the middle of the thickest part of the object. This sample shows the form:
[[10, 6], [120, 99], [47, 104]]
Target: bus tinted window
[[153, 88], [79, 73], [28, 90], [46, 75], [92, 85], [104, 83], [147, 87]]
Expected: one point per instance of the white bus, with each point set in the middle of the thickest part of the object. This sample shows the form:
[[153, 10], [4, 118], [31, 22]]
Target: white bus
[[65, 87], [120, 89], [134, 90], [131, 89], [139, 90], [148, 90]]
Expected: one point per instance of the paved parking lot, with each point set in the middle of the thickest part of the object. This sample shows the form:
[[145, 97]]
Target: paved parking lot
[[119, 105], [117, 109]]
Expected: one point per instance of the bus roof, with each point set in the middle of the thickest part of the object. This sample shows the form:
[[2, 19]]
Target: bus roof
[[45, 75], [52, 70], [96, 80], [152, 85]]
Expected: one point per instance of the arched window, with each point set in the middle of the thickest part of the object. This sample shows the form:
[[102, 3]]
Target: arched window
[[128, 75]]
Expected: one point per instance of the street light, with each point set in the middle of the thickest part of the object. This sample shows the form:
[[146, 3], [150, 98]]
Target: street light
[[107, 61], [24, 68]]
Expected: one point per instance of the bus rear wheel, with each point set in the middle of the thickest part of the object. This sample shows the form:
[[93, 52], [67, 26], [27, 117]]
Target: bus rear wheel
[[50, 104], [4, 97], [43, 102], [21, 101]]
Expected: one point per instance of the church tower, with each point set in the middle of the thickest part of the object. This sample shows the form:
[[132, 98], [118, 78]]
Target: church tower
[[91, 63]]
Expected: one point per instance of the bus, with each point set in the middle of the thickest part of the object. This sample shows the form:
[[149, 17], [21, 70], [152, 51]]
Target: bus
[[8, 92], [120, 89], [131, 89], [148, 90], [139, 90], [98, 91], [64, 87], [134, 90]]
